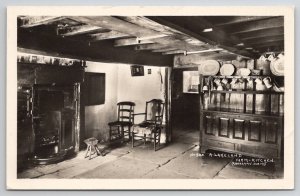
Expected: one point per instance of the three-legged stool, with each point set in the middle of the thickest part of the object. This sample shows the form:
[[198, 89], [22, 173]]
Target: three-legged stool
[[92, 147]]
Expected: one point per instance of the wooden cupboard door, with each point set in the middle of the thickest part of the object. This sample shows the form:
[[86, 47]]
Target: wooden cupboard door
[[209, 125], [255, 130], [271, 132], [223, 128], [239, 129]]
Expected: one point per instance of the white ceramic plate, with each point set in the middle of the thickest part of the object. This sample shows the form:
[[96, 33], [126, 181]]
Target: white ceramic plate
[[209, 67], [244, 72], [277, 67], [227, 69]]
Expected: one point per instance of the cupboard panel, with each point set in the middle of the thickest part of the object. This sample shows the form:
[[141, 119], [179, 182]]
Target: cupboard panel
[[255, 130], [209, 125], [223, 127], [238, 129], [271, 132]]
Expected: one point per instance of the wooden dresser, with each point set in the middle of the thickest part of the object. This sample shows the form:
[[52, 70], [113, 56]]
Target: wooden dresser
[[231, 121]]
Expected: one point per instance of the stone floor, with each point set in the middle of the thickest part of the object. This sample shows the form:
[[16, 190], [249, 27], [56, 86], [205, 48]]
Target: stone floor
[[179, 160]]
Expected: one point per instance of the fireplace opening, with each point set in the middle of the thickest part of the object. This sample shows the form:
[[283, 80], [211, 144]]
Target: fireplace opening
[[53, 123]]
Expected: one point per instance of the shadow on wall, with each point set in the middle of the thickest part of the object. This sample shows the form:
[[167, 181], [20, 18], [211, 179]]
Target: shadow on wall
[[140, 89], [97, 116], [121, 86]]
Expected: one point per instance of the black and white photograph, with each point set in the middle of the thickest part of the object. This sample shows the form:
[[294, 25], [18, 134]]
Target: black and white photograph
[[202, 96]]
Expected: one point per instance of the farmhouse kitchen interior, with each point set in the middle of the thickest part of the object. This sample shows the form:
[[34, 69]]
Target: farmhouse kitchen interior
[[163, 97]]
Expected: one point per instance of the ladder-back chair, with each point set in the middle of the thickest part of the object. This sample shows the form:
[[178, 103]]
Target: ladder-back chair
[[151, 127], [122, 126]]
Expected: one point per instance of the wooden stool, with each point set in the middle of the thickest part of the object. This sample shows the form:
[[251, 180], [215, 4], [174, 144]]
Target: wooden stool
[[92, 146]]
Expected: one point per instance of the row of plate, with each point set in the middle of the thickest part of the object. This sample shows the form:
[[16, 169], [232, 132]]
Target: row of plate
[[212, 67]]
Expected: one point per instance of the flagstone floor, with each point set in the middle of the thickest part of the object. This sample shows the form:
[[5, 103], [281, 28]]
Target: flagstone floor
[[179, 160]]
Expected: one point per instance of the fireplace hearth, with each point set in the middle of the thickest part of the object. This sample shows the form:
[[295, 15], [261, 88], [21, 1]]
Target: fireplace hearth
[[54, 115]]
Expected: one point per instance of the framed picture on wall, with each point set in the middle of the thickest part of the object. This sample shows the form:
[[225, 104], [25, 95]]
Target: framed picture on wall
[[137, 70]]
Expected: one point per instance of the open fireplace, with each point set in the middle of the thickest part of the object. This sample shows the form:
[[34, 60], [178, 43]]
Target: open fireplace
[[54, 116]]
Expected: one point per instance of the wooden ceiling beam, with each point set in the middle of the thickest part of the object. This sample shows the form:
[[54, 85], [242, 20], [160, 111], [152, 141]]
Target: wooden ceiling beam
[[174, 52], [266, 36], [165, 50], [78, 30], [115, 24], [150, 24], [262, 33], [120, 25], [154, 46], [240, 19], [194, 60], [264, 39], [32, 21], [279, 43], [270, 49], [193, 26], [257, 25], [130, 42], [107, 35]]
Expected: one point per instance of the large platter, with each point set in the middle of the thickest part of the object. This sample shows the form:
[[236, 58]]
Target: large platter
[[227, 69], [209, 68]]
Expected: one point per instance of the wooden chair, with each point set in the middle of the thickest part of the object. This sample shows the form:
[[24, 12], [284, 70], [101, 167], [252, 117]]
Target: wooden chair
[[151, 127], [117, 129]]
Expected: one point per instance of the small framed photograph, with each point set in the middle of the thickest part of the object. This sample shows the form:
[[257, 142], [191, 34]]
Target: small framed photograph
[[137, 70]]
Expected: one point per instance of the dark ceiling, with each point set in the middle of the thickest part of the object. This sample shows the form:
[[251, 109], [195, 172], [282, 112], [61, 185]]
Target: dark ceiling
[[151, 39]]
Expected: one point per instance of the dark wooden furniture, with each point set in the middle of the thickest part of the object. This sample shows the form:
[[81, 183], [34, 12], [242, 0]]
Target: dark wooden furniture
[[117, 129], [48, 112], [151, 127], [242, 129], [53, 118]]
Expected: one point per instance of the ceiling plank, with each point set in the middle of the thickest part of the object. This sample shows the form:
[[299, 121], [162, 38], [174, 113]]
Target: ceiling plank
[[264, 39], [150, 24], [150, 47], [32, 21], [279, 43], [147, 23], [174, 52], [165, 50], [270, 49], [193, 26], [130, 42], [261, 33], [257, 25], [115, 24], [136, 30], [77, 30], [107, 35], [240, 19]]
